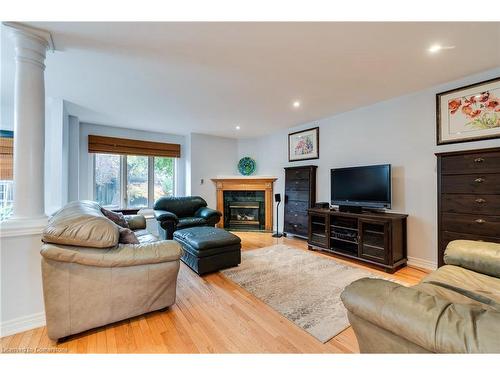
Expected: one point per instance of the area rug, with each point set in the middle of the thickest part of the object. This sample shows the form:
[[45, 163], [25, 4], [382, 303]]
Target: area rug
[[300, 285]]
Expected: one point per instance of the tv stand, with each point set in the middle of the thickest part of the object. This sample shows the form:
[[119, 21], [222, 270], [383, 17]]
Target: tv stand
[[371, 237], [353, 209]]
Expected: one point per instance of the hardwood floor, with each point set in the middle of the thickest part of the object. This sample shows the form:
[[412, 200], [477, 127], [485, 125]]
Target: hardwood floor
[[211, 315]]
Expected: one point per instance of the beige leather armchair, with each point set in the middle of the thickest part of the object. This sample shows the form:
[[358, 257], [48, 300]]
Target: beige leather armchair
[[455, 309], [90, 280]]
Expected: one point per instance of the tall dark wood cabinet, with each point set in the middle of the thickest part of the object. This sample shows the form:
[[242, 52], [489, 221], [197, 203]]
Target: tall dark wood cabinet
[[300, 195], [468, 197]]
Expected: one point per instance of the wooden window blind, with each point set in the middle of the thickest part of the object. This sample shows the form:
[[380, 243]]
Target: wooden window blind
[[6, 158], [122, 146]]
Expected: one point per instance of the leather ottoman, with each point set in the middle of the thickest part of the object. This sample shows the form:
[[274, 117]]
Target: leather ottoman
[[208, 249]]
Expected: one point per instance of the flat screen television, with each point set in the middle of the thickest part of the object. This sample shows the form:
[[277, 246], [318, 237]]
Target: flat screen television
[[357, 187]]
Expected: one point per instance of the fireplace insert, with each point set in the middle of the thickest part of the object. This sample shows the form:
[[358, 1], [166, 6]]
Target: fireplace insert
[[244, 210], [244, 213]]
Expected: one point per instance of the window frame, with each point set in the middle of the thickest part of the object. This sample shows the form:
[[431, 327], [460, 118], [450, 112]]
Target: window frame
[[124, 181]]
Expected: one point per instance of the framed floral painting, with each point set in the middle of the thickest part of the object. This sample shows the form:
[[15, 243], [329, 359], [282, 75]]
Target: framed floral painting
[[303, 145], [469, 113]]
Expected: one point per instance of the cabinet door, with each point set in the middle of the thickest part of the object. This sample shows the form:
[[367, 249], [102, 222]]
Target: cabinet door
[[374, 240], [318, 229]]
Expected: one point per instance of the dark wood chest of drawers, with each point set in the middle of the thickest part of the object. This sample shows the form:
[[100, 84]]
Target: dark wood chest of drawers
[[300, 195], [468, 197]]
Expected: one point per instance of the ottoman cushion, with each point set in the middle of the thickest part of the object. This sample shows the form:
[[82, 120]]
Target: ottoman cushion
[[206, 238], [208, 249]]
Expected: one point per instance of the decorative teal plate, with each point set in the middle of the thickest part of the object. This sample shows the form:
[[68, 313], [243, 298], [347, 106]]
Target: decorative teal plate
[[246, 166]]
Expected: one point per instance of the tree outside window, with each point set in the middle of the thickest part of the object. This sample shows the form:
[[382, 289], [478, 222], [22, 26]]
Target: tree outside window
[[164, 177], [107, 180], [146, 179], [137, 181]]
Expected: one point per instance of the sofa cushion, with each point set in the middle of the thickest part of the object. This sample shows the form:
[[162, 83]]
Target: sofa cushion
[[81, 223], [145, 237], [448, 281], [187, 222]]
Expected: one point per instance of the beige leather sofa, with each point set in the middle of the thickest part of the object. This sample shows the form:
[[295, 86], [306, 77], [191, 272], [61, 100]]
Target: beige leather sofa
[[455, 309], [90, 280]]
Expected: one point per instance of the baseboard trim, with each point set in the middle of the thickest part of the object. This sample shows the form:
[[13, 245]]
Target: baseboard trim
[[422, 263], [24, 323]]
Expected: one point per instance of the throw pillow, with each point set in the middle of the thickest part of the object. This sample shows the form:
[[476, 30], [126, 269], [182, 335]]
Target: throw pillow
[[127, 236], [115, 217]]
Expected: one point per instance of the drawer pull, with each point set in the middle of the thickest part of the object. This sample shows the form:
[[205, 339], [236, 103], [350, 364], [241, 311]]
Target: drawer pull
[[479, 180], [296, 215], [478, 160], [295, 225], [480, 200], [480, 221]]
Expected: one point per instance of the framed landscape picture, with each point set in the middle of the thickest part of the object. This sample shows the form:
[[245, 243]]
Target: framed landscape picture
[[303, 145], [470, 113]]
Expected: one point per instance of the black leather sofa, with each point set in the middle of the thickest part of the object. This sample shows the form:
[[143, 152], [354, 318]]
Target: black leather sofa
[[175, 213]]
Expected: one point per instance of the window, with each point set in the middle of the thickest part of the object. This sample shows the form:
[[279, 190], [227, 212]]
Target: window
[[6, 198], [137, 181], [6, 174], [128, 181], [107, 180], [163, 177]]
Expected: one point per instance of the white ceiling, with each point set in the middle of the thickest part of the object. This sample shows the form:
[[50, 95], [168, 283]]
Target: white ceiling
[[210, 77]]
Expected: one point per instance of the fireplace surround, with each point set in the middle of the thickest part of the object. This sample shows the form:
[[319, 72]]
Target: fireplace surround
[[244, 210], [246, 203]]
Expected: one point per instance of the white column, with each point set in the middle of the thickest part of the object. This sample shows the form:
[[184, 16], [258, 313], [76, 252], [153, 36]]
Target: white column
[[29, 125]]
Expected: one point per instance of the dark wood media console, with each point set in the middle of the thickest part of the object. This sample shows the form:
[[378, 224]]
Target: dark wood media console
[[375, 238]]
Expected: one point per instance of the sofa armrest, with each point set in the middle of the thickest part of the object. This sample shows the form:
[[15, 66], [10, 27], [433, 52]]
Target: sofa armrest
[[433, 323], [136, 222], [208, 213], [119, 256], [162, 215], [482, 257]]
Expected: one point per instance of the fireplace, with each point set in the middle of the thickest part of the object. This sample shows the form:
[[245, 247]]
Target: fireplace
[[244, 213], [246, 203], [244, 210]]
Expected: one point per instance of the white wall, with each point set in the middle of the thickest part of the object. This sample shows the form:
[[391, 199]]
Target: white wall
[[21, 284], [400, 131], [56, 154], [85, 159], [211, 157], [73, 158]]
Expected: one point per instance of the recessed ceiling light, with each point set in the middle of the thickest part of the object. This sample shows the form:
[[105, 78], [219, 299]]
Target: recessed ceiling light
[[435, 48], [238, 127], [438, 47], [296, 104]]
